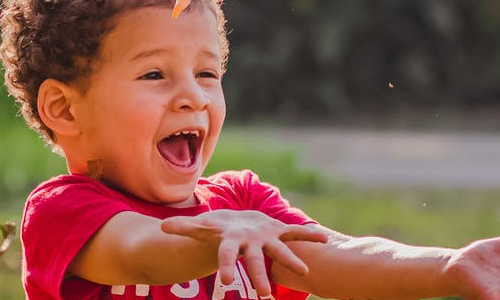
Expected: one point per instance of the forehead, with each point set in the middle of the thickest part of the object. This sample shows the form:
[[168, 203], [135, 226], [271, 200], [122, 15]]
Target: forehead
[[152, 28], [119, 6]]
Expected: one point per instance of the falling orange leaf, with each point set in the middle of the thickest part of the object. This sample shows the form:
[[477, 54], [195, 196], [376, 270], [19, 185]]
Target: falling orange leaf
[[179, 6]]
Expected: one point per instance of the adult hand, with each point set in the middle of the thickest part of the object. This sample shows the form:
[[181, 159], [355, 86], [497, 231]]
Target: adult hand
[[474, 270], [249, 234]]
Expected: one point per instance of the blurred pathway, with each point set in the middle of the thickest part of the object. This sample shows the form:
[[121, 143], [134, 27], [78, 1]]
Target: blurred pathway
[[470, 160]]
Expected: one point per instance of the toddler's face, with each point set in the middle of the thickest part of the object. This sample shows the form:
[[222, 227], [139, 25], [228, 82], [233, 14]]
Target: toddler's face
[[155, 106]]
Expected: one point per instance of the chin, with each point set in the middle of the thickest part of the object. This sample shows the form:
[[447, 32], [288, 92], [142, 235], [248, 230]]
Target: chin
[[178, 194]]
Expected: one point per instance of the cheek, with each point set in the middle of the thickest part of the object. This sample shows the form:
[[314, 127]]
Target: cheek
[[136, 126], [136, 116], [219, 110], [217, 116]]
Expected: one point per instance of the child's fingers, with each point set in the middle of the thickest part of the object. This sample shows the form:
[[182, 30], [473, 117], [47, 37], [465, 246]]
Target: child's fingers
[[187, 226], [176, 225], [281, 254], [228, 254], [303, 233], [254, 259]]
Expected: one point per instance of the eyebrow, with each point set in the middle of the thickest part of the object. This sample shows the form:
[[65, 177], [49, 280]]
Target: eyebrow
[[154, 52], [148, 53], [210, 54]]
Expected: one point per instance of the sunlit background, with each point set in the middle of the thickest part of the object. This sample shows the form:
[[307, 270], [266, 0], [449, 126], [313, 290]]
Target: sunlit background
[[376, 117]]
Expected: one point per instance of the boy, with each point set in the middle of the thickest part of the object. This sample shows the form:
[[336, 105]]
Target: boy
[[133, 100]]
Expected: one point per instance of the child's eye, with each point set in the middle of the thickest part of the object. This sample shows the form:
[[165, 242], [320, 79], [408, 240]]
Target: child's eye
[[207, 75], [153, 75]]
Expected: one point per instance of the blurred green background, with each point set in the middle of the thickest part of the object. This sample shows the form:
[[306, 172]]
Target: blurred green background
[[326, 64], [330, 61]]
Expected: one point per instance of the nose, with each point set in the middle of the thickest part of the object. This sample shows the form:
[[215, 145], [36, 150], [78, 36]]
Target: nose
[[190, 97]]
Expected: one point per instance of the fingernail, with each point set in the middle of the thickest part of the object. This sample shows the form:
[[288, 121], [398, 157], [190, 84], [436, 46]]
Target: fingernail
[[304, 270]]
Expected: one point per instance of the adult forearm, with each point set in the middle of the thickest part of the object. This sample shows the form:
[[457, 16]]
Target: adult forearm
[[376, 268], [369, 268]]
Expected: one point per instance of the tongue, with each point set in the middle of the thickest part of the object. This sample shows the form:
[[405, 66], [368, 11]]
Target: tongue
[[176, 150]]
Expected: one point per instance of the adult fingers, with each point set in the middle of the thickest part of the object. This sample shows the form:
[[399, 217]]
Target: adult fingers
[[302, 233], [281, 254], [254, 259], [228, 254]]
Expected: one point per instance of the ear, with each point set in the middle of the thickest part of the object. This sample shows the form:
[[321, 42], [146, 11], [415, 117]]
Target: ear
[[54, 107]]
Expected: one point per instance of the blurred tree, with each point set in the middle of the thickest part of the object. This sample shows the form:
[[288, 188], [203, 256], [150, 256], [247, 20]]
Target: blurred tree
[[333, 60]]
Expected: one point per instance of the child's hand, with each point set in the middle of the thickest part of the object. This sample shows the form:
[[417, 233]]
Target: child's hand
[[249, 234], [475, 270]]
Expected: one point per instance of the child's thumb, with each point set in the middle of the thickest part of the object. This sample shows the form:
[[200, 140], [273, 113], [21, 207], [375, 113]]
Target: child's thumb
[[188, 226]]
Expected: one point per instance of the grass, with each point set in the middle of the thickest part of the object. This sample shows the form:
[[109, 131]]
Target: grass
[[429, 217], [451, 218]]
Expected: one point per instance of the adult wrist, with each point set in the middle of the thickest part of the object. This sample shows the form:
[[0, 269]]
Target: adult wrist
[[452, 271]]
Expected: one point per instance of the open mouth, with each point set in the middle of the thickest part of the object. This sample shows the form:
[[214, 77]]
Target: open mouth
[[182, 148]]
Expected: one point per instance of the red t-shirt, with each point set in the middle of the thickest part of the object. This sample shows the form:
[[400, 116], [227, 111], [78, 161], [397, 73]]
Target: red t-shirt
[[63, 213]]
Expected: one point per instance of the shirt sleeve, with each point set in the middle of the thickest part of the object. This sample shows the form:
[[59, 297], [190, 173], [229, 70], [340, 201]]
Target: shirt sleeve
[[251, 193], [59, 218]]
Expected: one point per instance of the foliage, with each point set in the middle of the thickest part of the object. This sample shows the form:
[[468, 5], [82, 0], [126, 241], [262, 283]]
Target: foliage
[[332, 61], [25, 161]]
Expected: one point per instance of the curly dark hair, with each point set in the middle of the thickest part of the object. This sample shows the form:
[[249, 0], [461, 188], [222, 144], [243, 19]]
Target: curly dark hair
[[60, 39]]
